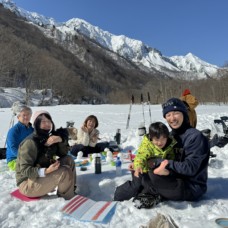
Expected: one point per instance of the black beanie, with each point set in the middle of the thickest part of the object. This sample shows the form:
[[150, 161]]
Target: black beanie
[[174, 104]]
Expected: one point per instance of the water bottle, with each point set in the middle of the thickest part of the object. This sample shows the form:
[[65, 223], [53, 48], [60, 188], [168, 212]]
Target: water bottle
[[97, 165], [141, 129], [118, 167], [117, 136]]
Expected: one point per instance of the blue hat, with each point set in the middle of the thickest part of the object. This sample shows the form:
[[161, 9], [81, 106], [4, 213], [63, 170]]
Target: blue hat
[[174, 104]]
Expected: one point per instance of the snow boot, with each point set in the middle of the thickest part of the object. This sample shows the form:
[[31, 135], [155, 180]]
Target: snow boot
[[144, 200]]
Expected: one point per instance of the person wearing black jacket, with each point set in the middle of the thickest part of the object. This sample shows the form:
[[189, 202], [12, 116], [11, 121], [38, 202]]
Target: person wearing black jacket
[[185, 177]]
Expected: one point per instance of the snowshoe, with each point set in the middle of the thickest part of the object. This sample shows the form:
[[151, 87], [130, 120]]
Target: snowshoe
[[222, 141], [144, 200], [222, 121]]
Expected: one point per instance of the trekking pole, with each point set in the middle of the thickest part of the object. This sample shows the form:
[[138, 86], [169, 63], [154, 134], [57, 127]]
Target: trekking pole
[[10, 125], [129, 114], [149, 106], [142, 108]]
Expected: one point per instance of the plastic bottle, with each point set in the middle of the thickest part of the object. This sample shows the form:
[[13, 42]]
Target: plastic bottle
[[118, 167]]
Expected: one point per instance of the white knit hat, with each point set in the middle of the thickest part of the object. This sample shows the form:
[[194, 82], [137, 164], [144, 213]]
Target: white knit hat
[[36, 114]]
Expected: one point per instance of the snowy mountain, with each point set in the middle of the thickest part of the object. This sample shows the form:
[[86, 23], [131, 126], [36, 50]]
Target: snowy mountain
[[134, 50], [192, 63], [146, 58]]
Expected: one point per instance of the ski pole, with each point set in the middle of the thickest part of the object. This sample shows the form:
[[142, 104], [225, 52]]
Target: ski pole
[[129, 113], [142, 108], [11, 124], [149, 106]]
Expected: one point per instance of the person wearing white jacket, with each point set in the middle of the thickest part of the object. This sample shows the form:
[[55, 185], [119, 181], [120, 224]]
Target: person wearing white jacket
[[87, 138]]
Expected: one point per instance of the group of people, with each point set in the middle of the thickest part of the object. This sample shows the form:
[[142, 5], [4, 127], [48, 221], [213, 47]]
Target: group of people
[[168, 165], [39, 153]]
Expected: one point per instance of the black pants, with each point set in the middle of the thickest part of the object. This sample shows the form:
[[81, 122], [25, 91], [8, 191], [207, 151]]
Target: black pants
[[168, 187], [88, 149]]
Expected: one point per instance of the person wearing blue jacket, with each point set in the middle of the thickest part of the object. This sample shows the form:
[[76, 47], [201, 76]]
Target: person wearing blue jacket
[[17, 134]]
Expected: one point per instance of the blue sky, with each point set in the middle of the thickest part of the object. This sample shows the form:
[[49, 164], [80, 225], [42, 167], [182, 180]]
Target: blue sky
[[175, 27]]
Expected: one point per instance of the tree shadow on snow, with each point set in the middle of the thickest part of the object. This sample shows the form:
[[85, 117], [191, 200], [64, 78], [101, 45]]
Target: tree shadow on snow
[[216, 190]]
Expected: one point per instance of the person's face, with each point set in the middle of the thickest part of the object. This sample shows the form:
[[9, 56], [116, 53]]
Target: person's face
[[45, 123], [24, 117], [159, 142], [91, 124], [174, 119]]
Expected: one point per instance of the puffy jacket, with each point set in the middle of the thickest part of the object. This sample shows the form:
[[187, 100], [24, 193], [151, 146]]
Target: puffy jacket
[[85, 138], [15, 136], [192, 166], [148, 150], [192, 103], [34, 155]]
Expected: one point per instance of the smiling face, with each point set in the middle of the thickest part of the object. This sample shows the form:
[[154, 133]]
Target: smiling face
[[45, 123], [24, 117], [90, 124], [174, 119]]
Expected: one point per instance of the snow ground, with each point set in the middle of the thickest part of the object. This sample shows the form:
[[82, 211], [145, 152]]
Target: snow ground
[[45, 213]]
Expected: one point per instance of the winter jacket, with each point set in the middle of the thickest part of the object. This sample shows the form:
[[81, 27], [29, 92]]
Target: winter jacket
[[86, 139], [192, 166], [148, 150], [33, 154], [192, 103], [15, 136]]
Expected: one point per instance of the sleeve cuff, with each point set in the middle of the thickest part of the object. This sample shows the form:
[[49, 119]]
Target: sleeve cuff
[[41, 172]]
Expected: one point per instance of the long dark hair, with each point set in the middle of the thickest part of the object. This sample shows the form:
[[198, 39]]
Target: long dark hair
[[38, 122]]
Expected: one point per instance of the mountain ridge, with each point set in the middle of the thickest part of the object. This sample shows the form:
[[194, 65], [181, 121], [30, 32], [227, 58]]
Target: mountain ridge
[[146, 57], [79, 70]]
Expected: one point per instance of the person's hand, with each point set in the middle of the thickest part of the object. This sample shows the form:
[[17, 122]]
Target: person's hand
[[161, 170], [53, 139], [95, 138], [138, 171], [131, 167], [53, 167], [85, 129]]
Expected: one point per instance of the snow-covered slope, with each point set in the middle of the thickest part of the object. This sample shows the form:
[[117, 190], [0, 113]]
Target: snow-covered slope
[[192, 63], [37, 98], [134, 50], [131, 49]]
